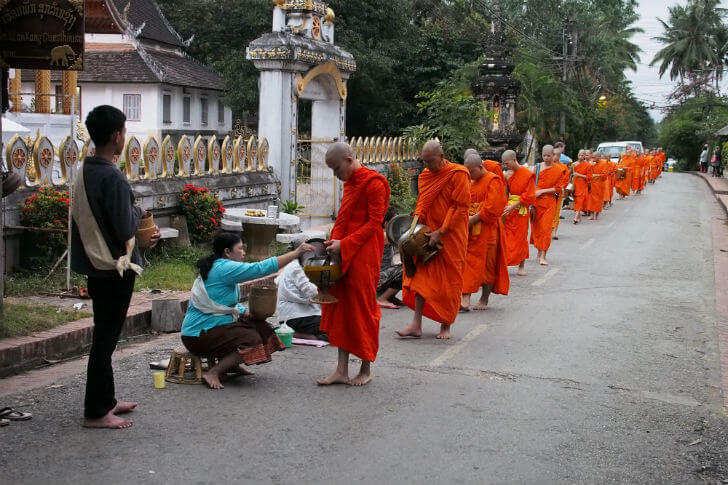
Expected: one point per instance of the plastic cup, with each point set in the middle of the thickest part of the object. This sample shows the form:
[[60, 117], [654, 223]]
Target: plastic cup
[[159, 380]]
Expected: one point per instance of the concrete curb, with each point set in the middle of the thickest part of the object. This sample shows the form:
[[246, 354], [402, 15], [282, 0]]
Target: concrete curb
[[20, 354], [720, 195]]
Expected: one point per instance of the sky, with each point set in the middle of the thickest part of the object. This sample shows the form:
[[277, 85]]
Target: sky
[[646, 81]]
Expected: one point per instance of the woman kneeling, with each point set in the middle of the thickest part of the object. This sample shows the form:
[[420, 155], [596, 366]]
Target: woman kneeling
[[216, 325]]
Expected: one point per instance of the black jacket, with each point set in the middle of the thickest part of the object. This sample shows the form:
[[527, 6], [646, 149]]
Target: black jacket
[[112, 203]]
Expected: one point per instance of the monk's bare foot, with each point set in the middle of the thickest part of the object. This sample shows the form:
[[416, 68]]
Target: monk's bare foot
[[444, 332], [242, 371], [388, 305], [361, 380], [481, 306], [543, 262], [335, 378], [522, 272], [110, 421], [213, 381], [124, 407], [410, 331]]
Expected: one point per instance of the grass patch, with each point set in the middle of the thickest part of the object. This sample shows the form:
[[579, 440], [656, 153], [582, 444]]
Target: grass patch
[[28, 283], [171, 269], [20, 320]]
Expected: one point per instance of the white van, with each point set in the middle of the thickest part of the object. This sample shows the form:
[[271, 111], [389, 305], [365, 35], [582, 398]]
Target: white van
[[615, 148]]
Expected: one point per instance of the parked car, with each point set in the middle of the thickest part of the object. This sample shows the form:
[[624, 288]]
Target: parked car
[[615, 148]]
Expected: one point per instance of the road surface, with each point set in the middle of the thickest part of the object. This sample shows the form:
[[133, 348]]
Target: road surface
[[601, 368]]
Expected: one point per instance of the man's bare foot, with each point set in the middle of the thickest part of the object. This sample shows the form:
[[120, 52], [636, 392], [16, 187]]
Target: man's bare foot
[[124, 407], [110, 421], [481, 306], [410, 331], [335, 378], [213, 381], [388, 305], [522, 272], [543, 262], [444, 332], [361, 380]]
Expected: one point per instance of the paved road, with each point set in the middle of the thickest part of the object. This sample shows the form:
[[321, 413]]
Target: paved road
[[602, 368]]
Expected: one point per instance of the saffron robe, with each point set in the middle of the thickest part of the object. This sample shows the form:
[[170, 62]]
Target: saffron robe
[[494, 167], [352, 324], [544, 206], [443, 202], [624, 186], [487, 238], [521, 187], [562, 195], [609, 184], [638, 177], [595, 202], [581, 185]]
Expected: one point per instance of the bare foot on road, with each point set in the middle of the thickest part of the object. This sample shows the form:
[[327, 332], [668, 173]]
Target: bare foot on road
[[213, 381], [409, 332], [522, 272], [361, 380], [444, 332], [480, 307], [335, 378], [124, 407], [109, 421]]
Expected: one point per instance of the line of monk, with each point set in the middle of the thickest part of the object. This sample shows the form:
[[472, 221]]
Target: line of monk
[[478, 214]]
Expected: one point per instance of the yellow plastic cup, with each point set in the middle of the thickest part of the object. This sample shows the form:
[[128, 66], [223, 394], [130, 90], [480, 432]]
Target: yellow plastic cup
[[159, 380]]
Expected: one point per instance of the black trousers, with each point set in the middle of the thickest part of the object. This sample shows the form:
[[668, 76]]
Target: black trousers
[[111, 298]]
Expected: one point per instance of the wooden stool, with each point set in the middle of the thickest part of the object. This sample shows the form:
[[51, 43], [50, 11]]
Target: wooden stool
[[178, 363]]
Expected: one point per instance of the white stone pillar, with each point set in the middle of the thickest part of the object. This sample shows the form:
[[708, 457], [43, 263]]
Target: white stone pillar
[[276, 122]]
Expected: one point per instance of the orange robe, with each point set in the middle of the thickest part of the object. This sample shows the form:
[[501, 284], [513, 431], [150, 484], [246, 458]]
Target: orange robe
[[352, 324], [521, 187], [443, 202], [609, 184], [494, 167], [624, 186], [637, 174], [485, 262], [595, 202], [544, 207], [581, 186], [564, 182], [656, 167]]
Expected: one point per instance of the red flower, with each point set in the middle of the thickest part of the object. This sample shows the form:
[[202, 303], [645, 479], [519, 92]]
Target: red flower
[[200, 226], [222, 209], [214, 222]]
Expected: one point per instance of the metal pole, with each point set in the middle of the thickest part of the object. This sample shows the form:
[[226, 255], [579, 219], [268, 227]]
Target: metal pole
[[70, 180], [562, 127]]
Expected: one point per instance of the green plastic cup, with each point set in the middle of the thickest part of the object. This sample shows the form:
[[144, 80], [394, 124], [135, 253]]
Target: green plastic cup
[[286, 338]]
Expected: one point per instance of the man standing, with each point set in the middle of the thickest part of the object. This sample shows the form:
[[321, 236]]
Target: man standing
[[521, 194], [485, 263], [582, 182], [600, 182], [563, 163], [625, 168], [352, 324], [550, 177], [435, 290], [105, 221], [490, 165]]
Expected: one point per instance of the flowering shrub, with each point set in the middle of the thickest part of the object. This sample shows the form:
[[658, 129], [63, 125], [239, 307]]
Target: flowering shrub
[[203, 212], [400, 190], [47, 208]]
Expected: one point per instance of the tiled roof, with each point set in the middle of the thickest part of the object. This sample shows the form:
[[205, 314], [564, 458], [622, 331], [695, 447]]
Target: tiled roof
[[129, 66], [147, 12]]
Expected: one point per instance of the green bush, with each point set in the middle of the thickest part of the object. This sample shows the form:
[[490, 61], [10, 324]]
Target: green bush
[[203, 212], [47, 208]]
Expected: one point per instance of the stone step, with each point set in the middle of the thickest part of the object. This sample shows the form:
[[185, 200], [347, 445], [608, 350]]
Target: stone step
[[308, 234]]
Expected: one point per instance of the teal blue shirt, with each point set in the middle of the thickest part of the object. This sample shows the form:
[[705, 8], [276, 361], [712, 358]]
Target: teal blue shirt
[[222, 287]]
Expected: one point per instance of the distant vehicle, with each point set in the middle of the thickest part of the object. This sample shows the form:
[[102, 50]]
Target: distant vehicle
[[670, 163], [615, 148]]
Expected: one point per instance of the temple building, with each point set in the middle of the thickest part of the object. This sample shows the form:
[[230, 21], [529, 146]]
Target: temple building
[[133, 60]]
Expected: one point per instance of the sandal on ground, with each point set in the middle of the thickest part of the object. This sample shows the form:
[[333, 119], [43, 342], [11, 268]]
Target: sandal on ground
[[13, 415]]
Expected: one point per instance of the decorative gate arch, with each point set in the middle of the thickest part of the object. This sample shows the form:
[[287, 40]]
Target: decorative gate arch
[[299, 62]]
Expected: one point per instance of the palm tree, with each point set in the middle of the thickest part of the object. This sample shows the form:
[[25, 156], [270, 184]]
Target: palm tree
[[689, 38]]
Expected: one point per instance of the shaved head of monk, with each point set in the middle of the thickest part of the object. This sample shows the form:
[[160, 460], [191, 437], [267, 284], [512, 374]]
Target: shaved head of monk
[[340, 159], [547, 154], [475, 166], [509, 160], [433, 156], [470, 151]]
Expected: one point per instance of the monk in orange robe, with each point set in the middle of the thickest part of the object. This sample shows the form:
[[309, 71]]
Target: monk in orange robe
[[490, 165], [485, 261], [642, 163], [624, 175], [609, 183], [436, 288], [663, 159], [565, 177], [637, 171], [521, 195], [595, 202], [352, 324], [549, 177], [582, 181]]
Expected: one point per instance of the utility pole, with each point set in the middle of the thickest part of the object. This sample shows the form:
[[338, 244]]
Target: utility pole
[[565, 69]]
